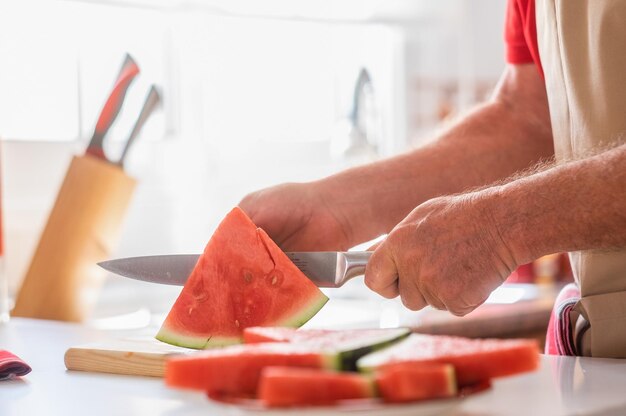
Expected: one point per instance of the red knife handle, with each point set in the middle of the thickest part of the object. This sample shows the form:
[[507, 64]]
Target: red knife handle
[[113, 104]]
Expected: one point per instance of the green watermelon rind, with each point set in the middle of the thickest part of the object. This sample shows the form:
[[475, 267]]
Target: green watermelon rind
[[364, 364], [368, 363], [172, 337], [349, 359], [199, 343], [306, 313], [331, 361]]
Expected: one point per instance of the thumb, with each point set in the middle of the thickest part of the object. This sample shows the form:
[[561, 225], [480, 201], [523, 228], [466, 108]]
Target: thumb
[[381, 274]]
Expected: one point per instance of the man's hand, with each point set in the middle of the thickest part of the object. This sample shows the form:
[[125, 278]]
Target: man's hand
[[298, 217], [446, 253]]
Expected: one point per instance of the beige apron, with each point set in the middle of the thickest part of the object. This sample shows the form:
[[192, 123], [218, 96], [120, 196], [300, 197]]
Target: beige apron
[[582, 44]]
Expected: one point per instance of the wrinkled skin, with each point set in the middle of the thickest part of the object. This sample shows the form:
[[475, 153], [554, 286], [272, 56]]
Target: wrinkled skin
[[446, 253]]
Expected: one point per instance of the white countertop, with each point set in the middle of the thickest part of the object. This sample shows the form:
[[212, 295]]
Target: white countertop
[[563, 385]]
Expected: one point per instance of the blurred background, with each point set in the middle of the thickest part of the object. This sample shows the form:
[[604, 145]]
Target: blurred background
[[254, 93]]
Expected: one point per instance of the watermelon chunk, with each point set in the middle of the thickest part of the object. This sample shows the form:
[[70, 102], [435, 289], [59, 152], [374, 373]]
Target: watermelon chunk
[[286, 386], [235, 370], [407, 383], [351, 344], [242, 279], [474, 360]]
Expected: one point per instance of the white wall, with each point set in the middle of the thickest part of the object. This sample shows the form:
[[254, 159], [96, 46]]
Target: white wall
[[249, 102]]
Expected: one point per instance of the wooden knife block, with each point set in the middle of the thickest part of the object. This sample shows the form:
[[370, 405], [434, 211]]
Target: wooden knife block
[[63, 279]]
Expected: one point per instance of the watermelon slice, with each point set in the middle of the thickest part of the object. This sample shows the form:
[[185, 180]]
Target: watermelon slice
[[287, 386], [242, 279], [351, 344], [474, 360], [407, 383], [235, 370]]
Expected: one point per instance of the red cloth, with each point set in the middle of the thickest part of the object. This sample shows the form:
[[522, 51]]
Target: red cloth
[[559, 337], [12, 366], [520, 33]]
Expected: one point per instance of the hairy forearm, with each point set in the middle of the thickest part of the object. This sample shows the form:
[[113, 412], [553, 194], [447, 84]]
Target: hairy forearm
[[580, 205], [491, 143]]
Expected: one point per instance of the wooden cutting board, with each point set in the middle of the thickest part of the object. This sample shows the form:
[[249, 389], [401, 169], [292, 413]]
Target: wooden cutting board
[[131, 356]]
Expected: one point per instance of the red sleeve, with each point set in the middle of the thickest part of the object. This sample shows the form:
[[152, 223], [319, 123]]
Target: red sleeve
[[517, 50]]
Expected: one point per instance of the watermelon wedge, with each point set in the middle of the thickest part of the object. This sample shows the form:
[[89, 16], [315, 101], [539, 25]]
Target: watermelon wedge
[[288, 386], [242, 279], [408, 383], [235, 370], [351, 344], [474, 360]]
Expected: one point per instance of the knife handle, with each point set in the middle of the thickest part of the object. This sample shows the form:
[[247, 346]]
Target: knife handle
[[355, 263]]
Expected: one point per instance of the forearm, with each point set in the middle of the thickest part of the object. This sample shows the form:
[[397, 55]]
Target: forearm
[[580, 205], [505, 135]]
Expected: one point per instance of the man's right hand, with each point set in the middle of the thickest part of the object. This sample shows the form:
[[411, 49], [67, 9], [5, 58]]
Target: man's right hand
[[299, 217]]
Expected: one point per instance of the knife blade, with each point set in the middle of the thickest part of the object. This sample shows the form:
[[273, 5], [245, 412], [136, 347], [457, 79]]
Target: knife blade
[[324, 268], [153, 99]]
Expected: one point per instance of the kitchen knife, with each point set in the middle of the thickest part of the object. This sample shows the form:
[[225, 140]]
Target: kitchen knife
[[112, 107], [150, 104], [324, 268]]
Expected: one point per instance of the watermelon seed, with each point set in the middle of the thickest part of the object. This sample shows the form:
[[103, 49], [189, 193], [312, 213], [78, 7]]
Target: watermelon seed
[[274, 278], [247, 276], [237, 323]]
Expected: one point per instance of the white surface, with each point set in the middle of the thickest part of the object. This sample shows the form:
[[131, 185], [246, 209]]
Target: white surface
[[562, 386]]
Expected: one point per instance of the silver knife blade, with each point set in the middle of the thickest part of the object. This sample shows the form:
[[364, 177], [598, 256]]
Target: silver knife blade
[[324, 268]]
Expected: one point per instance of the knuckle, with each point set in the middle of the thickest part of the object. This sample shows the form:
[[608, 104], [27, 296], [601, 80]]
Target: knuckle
[[411, 303], [435, 302], [407, 303], [459, 310], [388, 294]]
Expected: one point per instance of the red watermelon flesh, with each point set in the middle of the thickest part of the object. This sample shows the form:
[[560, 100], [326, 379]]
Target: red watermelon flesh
[[474, 360], [235, 371], [242, 279], [407, 383], [288, 386]]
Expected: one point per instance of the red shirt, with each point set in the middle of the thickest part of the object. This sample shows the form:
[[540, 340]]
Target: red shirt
[[520, 33]]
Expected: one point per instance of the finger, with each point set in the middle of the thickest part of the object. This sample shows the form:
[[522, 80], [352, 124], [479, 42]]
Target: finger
[[410, 294], [460, 311], [381, 274], [432, 299], [456, 307]]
